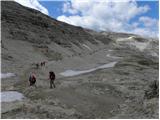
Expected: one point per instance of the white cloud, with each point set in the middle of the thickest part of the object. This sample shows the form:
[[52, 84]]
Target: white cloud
[[33, 4], [66, 8], [148, 22], [107, 15], [145, 32]]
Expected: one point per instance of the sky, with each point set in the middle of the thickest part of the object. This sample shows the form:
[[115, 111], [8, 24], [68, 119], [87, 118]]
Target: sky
[[130, 16]]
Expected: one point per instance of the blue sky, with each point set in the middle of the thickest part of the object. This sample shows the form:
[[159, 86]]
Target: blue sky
[[55, 8], [154, 5], [130, 16]]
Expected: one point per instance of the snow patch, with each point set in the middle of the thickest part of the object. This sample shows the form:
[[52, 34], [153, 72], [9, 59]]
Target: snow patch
[[154, 54], [87, 46], [114, 57], [130, 40], [68, 73], [139, 45], [7, 75], [125, 39], [10, 96], [130, 37]]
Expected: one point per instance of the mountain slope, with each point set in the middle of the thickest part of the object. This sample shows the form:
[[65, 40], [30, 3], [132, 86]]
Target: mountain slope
[[93, 87], [36, 28]]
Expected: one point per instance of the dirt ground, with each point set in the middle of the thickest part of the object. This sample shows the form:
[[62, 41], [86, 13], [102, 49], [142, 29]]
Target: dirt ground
[[106, 93]]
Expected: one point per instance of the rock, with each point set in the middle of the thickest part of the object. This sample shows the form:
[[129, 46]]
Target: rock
[[153, 90]]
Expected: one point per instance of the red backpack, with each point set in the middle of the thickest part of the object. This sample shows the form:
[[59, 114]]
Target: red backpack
[[32, 78]]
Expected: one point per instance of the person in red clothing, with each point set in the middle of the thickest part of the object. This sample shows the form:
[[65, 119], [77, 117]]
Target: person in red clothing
[[52, 79], [32, 79]]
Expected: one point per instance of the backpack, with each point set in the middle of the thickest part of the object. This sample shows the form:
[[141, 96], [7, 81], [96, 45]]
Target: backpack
[[52, 75], [32, 78]]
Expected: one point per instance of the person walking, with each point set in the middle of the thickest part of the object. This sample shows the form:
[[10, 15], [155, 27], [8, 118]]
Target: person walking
[[37, 65], [32, 80], [52, 79]]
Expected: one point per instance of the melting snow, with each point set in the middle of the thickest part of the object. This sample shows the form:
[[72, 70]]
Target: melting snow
[[10, 96], [125, 39], [139, 45], [115, 57], [74, 72], [7, 75], [87, 47], [154, 54]]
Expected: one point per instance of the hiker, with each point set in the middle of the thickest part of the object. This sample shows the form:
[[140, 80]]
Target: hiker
[[52, 78], [43, 63], [32, 79], [37, 65]]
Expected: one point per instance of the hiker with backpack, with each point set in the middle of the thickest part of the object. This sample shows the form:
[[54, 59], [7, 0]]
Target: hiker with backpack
[[43, 63], [37, 65], [52, 78], [32, 80]]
